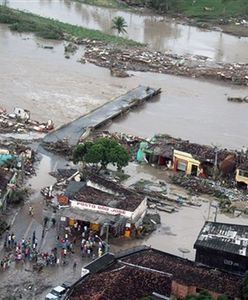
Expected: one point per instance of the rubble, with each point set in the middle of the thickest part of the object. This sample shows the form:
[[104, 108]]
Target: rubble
[[238, 99], [142, 59], [150, 222], [20, 154], [129, 141], [60, 147], [116, 72], [197, 185], [19, 122], [70, 48]]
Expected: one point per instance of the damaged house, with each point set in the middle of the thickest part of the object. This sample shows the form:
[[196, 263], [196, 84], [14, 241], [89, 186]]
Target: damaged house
[[100, 203], [143, 271], [242, 175], [190, 158], [7, 184]]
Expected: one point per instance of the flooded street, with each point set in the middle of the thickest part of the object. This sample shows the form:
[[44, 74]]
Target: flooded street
[[158, 32], [53, 87], [177, 230]]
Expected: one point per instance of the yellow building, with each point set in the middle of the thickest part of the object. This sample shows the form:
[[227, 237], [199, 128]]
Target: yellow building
[[242, 176], [183, 161]]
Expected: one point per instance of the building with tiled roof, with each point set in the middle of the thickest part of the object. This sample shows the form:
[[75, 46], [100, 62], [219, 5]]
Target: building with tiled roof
[[143, 271]]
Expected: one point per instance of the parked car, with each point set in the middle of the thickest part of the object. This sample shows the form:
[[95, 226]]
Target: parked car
[[67, 285], [56, 293], [51, 296]]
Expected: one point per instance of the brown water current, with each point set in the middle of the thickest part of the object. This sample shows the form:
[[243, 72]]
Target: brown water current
[[53, 87], [158, 32]]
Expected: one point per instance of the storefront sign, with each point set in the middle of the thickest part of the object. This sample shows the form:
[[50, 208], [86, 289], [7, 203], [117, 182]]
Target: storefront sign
[[101, 208]]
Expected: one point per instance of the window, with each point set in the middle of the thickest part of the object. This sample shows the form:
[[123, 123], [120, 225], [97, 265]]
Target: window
[[243, 173]]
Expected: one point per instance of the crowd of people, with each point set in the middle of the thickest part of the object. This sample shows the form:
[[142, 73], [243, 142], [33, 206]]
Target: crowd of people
[[78, 238], [91, 245]]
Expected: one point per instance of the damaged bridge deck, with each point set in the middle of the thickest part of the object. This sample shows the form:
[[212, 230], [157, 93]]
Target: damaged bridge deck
[[82, 125]]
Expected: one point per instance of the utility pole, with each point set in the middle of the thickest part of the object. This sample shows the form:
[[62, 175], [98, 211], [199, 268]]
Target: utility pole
[[215, 162], [216, 212], [107, 232], [216, 151]]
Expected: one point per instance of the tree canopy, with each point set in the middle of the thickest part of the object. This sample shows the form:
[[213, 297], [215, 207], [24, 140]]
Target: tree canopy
[[102, 151], [204, 295], [119, 24]]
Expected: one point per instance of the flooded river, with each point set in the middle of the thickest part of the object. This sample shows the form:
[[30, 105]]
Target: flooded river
[[158, 32], [53, 87]]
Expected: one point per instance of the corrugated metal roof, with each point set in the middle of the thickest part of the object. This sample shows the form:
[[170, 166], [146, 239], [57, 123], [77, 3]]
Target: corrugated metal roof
[[224, 237]]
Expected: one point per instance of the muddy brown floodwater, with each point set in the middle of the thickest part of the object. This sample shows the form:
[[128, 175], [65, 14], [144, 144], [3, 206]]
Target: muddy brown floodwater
[[53, 87], [177, 230], [158, 32]]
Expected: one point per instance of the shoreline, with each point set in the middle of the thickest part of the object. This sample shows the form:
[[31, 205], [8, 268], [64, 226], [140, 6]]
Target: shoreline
[[209, 25], [47, 28], [121, 55]]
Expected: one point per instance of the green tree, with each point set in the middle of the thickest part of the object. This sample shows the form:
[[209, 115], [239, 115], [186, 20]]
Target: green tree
[[203, 295], [80, 151], [245, 286], [119, 156], [222, 297], [119, 24], [102, 151]]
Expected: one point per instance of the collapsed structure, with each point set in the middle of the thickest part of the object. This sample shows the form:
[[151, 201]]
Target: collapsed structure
[[143, 272], [194, 159], [15, 159]]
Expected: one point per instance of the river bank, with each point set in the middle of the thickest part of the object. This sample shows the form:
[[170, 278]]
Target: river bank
[[216, 15], [109, 51], [158, 32], [52, 29]]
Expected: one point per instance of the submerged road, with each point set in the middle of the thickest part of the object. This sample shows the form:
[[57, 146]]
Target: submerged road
[[75, 129]]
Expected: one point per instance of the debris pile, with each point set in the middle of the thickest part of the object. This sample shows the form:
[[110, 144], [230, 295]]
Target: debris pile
[[19, 122], [70, 48], [18, 156], [140, 59], [117, 72], [61, 147], [150, 222], [197, 185], [238, 99], [129, 141]]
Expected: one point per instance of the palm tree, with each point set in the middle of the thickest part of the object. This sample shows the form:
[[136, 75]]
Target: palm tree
[[119, 24]]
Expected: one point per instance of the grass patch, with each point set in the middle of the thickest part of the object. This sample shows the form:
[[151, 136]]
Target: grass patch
[[104, 3], [52, 29], [211, 9]]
